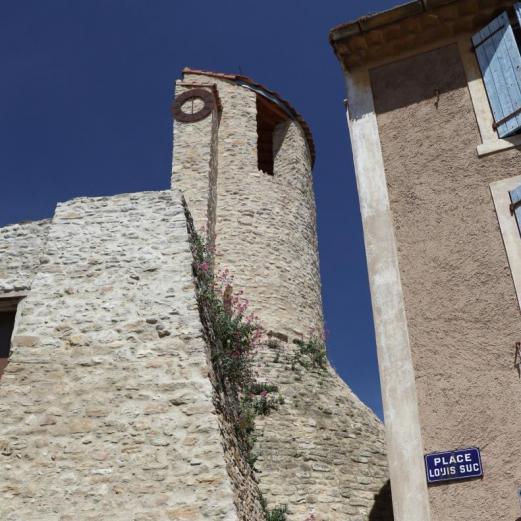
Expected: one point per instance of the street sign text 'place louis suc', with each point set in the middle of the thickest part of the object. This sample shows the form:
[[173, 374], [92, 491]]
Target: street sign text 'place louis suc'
[[457, 464]]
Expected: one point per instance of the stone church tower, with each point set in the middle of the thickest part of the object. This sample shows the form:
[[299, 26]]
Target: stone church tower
[[108, 409]]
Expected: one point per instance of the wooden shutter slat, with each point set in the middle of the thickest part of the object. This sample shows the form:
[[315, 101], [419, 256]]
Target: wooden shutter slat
[[500, 62], [511, 69], [484, 55], [509, 91]]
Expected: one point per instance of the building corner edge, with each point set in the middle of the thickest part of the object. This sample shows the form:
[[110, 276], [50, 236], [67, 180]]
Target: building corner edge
[[402, 424]]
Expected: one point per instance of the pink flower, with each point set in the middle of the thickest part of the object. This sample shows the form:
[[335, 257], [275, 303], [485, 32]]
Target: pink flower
[[264, 393], [204, 266]]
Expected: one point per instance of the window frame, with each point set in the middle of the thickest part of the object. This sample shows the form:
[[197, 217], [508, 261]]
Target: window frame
[[10, 303], [490, 140], [500, 191]]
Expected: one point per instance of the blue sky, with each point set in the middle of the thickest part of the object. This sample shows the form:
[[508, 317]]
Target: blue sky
[[85, 97]]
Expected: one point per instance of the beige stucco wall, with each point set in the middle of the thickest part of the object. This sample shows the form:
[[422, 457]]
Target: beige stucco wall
[[461, 307]]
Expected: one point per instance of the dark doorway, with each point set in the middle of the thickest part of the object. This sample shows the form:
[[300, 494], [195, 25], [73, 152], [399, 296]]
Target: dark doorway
[[383, 506], [6, 330]]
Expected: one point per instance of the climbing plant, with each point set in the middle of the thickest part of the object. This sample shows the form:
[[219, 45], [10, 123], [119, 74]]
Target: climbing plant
[[236, 333], [310, 353]]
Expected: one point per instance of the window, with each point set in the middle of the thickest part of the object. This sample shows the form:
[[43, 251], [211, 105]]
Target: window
[[7, 320], [499, 58]]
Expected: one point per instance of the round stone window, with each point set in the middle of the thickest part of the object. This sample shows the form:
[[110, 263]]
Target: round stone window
[[193, 105]]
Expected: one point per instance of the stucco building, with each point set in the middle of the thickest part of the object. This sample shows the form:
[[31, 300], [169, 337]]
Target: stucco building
[[110, 407], [433, 105]]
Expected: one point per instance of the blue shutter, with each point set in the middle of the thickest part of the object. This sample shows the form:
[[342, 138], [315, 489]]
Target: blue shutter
[[500, 62], [515, 207]]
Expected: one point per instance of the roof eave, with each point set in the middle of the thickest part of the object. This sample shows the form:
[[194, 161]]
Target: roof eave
[[417, 23], [269, 94]]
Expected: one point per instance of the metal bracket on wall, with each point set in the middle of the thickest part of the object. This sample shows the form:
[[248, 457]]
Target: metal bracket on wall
[[514, 206], [496, 124], [517, 358]]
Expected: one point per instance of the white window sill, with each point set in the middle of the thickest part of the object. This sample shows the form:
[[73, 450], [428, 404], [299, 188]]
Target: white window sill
[[496, 145]]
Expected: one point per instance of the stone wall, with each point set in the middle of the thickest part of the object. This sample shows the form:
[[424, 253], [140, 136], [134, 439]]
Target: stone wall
[[195, 162], [106, 407], [322, 451], [246, 490], [21, 246]]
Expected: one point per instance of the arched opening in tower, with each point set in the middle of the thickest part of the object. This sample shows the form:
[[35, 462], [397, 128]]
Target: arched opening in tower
[[269, 115]]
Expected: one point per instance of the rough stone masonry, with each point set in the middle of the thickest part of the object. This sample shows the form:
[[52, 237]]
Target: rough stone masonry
[[107, 409]]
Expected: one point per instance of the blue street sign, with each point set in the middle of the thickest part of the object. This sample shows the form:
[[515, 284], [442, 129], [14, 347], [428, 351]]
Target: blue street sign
[[457, 464]]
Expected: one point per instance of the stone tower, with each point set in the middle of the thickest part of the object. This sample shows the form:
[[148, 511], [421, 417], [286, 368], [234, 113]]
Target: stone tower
[[246, 174], [244, 162], [108, 404]]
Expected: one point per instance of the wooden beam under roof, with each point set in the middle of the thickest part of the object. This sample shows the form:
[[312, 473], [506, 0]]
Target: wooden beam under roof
[[416, 23], [9, 300]]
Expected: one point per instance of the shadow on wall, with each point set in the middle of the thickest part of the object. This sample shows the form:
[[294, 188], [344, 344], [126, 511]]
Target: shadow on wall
[[383, 507], [434, 73]]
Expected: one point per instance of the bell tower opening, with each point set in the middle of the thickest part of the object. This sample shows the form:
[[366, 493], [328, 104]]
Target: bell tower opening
[[269, 115]]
